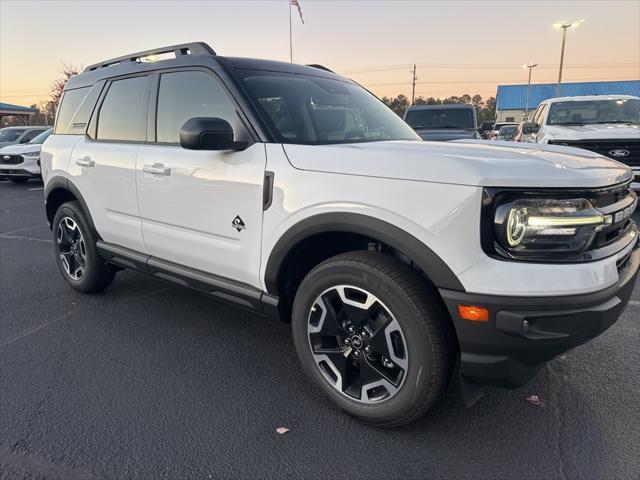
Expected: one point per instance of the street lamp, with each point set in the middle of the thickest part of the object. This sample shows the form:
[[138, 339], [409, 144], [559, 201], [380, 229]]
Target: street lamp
[[530, 66], [563, 25]]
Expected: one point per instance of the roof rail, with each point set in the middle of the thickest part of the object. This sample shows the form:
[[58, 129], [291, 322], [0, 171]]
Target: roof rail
[[195, 48], [321, 67]]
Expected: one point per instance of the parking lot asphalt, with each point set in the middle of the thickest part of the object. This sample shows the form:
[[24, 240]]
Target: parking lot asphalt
[[149, 380]]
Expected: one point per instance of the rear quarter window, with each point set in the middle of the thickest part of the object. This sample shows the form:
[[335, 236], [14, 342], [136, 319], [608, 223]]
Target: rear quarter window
[[71, 100]]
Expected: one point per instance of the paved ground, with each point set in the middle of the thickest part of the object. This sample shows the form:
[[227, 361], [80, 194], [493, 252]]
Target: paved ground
[[152, 381]]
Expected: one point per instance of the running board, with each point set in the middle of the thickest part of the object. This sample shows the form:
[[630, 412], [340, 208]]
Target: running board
[[223, 289]]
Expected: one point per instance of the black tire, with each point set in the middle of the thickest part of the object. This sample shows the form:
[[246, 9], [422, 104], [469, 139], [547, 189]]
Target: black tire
[[418, 309], [96, 275], [19, 180]]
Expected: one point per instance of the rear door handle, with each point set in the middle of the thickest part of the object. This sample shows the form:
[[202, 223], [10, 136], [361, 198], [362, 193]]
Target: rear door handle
[[85, 162], [156, 169]]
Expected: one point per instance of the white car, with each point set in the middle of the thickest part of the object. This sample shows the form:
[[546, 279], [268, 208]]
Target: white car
[[293, 192], [606, 124], [21, 162], [17, 135]]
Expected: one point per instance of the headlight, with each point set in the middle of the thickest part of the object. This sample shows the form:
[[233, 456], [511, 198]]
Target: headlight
[[533, 226], [31, 154]]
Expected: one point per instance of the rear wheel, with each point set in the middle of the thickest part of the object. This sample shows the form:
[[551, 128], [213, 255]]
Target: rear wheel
[[372, 336], [76, 252]]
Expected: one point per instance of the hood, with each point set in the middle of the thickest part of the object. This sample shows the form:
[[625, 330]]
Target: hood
[[588, 132], [19, 149], [446, 133], [471, 162]]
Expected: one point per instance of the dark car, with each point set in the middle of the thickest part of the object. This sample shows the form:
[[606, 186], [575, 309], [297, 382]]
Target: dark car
[[507, 132], [443, 122]]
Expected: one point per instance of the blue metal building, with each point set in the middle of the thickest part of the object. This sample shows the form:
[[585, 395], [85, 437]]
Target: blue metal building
[[511, 99]]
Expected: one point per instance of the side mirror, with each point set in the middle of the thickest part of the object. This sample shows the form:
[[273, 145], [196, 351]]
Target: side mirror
[[530, 128], [209, 133]]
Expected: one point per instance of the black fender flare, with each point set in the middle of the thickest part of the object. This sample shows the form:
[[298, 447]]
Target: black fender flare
[[436, 270], [66, 184]]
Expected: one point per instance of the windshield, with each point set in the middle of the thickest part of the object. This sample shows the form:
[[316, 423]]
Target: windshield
[[440, 118], [508, 130], [587, 112], [316, 111], [41, 138], [11, 134]]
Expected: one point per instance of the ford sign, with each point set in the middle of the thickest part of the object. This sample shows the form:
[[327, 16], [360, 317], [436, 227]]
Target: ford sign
[[619, 153]]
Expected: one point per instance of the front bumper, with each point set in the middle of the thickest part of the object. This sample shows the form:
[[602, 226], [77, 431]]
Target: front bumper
[[29, 168], [504, 352]]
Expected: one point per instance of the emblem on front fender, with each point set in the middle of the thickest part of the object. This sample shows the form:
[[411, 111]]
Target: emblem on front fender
[[619, 153]]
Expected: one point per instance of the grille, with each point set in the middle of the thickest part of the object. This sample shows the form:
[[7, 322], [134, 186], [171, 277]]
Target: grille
[[605, 147], [11, 159], [614, 200]]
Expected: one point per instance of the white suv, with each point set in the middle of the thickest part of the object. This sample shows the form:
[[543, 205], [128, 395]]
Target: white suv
[[605, 124], [290, 191]]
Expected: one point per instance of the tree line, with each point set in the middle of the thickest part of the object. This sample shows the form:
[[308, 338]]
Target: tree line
[[485, 109]]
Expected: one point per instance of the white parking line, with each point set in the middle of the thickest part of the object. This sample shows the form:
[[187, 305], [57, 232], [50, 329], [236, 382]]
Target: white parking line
[[23, 229], [39, 188]]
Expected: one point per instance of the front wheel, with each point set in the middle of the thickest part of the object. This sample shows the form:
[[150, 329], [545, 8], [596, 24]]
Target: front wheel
[[76, 253], [374, 337]]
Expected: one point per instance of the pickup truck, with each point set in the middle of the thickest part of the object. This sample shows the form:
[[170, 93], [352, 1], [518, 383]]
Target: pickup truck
[[605, 124]]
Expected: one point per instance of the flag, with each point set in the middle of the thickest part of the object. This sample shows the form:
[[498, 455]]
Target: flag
[[296, 3]]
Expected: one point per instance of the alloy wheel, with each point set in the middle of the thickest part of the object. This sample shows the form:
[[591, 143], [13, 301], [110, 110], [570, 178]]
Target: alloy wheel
[[357, 344], [71, 248]]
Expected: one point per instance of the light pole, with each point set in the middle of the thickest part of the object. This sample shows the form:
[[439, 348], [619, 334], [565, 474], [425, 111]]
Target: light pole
[[530, 66], [563, 25]]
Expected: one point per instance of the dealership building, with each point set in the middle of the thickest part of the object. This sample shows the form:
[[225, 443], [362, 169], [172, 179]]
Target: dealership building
[[511, 100]]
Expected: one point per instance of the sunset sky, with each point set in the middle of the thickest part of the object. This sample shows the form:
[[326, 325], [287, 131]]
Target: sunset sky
[[459, 46]]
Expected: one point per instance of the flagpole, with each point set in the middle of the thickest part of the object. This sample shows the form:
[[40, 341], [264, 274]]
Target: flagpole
[[290, 35]]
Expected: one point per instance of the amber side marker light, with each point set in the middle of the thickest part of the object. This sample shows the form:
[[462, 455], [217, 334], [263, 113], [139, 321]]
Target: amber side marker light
[[473, 313]]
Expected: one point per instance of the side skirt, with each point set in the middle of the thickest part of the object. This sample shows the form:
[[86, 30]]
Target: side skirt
[[223, 289]]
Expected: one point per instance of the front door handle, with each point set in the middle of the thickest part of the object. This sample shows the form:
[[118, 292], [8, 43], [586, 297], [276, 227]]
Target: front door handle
[[85, 162], [156, 169]]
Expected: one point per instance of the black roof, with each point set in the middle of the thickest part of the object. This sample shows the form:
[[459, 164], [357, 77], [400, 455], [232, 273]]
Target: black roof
[[189, 54]]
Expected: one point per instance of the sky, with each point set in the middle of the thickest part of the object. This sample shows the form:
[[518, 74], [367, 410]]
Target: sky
[[458, 46]]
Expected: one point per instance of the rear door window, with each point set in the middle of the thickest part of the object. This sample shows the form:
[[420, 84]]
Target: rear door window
[[123, 113]]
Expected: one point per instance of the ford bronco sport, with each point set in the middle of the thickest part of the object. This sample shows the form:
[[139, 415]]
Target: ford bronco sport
[[293, 192]]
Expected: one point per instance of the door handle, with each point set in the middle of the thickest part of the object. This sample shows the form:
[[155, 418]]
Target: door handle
[[156, 169], [85, 162]]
